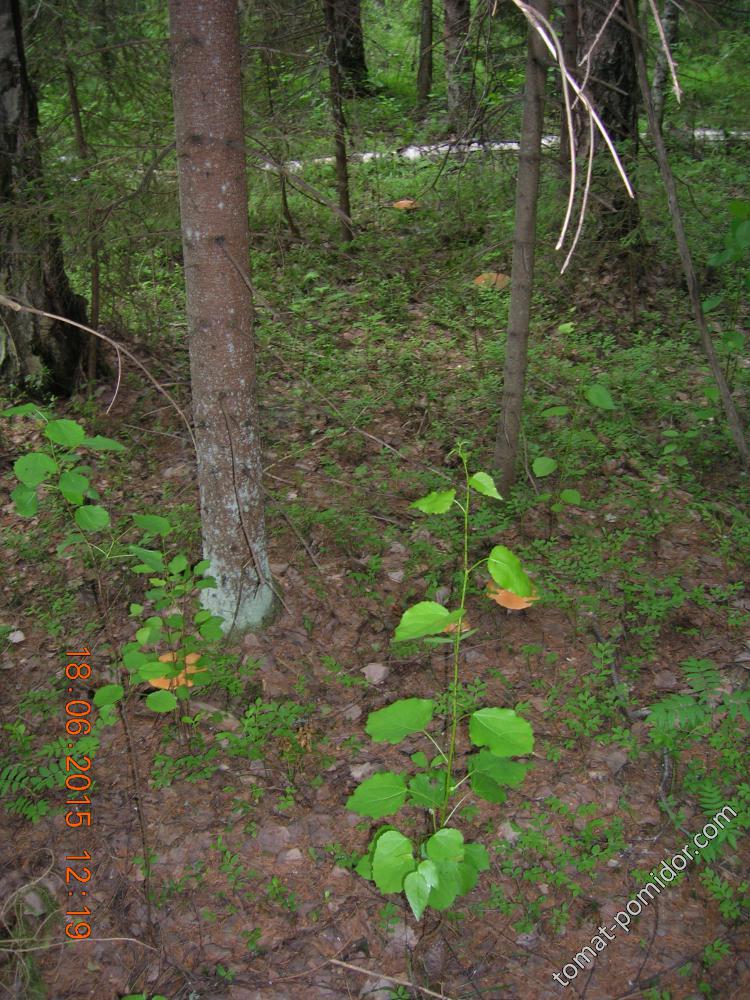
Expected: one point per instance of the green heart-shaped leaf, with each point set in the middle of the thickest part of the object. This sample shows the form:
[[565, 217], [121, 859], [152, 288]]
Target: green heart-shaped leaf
[[67, 433], [152, 524], [161, 701], [445, 845], [417, 892], [381, 795], [572, 497], [99, 443], [392, 723], [507, 572], [25, 500], [110, 694], [490, 774], [543, 466], [426, 792], [435, 503], [34, 468], [505, 733], [425, 618], [485, 485], [91, 518], [392, 861], [73, 487], [599, 396]]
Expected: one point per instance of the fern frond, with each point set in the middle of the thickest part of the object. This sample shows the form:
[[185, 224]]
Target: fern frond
[[702, 676]]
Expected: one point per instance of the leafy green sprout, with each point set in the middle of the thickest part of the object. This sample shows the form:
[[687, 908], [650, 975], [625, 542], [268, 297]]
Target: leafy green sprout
[[447, 866]]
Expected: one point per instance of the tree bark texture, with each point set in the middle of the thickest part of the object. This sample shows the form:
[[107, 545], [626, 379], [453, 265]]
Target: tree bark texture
[[457, 59], [44, 353], [522, 270], [207, 94], [570, 55], [339, 124], [696, 300], [424, 72], [350, 47], [612, 84], [670, 19]]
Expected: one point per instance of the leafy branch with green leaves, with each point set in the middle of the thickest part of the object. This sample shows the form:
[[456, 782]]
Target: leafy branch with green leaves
[[56, 473]]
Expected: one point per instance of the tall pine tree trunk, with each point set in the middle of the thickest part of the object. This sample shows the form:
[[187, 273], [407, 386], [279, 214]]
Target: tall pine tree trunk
[[424, 73], [207, 92], [524, 246], [612, 82], [339, 125], [457, 61], [43, 353], [350, 47]]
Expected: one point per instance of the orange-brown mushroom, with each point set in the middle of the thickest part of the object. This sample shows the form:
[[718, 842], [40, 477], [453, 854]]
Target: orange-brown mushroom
[[492, 279], [184, 678]]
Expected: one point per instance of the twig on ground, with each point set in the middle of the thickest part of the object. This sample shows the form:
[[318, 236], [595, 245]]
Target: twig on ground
[[67, 941], [391, 979], [300, 538]]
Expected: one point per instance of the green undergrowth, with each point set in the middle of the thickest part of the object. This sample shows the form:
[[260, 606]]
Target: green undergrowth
[[630, 512]]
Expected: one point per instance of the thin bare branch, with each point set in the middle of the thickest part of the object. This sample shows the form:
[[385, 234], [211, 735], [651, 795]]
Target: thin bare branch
[[548, 35], [118, 347], [391, 979], [270, 163], [667, 52]]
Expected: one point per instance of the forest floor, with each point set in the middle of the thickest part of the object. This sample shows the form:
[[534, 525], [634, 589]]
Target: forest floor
[[368, 376]]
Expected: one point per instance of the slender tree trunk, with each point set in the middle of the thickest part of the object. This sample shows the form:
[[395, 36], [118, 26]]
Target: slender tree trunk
[[424, 73], [85, 153], [93, 354], [339, 124], [207, 93], [457, 75], [103, 21], [350, 47], [75, 110], [670, 19], [43, 352], [285, 210], [524, 243], [730, 410]]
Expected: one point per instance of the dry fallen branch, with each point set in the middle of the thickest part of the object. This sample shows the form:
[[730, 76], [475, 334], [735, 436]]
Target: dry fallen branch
[[391, 979], [66, 942]]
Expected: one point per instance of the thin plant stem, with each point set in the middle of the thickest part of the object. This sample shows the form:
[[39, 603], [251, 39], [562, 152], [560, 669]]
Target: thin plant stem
[[457, 646]]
